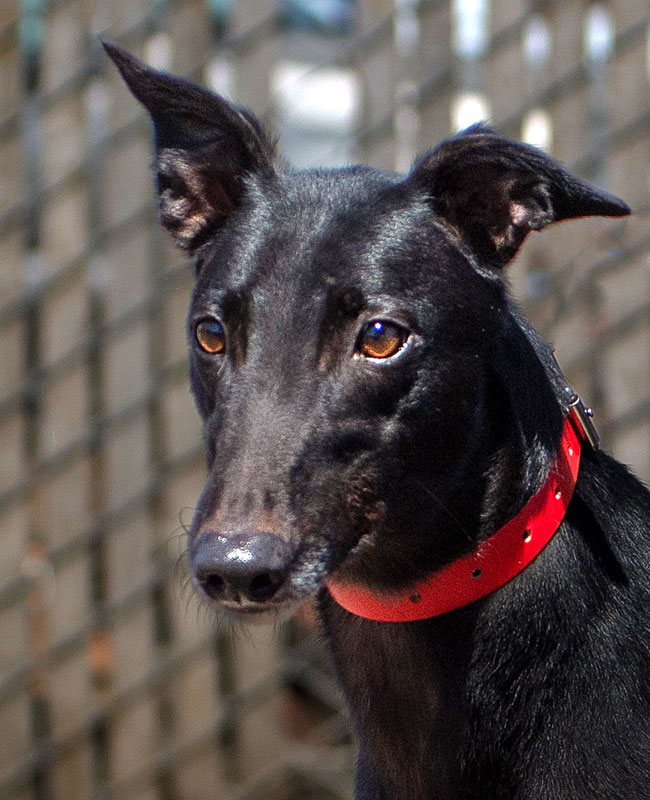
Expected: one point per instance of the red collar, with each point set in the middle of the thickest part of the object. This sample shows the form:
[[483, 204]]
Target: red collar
[[496, 561]]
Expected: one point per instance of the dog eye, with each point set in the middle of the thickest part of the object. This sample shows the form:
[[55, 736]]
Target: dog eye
[[381, 339], [211, 336]]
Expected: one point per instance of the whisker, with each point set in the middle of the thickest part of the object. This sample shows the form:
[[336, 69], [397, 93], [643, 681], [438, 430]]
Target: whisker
[[186, 510], [450, 514]]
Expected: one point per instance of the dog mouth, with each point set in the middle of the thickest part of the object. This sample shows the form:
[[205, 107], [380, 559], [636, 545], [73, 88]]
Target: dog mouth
[[261, 613], [274, 610]]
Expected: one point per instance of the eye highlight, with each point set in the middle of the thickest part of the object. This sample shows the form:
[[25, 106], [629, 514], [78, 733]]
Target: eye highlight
[[211, 336], [381, 339]]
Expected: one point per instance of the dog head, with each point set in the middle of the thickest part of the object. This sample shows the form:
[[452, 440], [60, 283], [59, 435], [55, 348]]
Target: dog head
[[356, 363]]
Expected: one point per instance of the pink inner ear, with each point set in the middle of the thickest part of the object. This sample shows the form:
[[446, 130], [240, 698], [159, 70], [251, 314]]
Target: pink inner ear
[[518, 212], [517, 225], [191, 201]]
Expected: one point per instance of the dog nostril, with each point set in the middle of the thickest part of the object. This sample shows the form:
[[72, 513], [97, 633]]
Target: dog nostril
[[263, 587], [213, 586]]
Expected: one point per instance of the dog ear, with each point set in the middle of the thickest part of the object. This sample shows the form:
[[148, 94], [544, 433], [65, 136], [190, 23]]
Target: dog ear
[[494, 191], [205, 148]]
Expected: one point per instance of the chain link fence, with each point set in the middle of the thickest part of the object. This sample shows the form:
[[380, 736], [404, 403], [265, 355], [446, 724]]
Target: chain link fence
[[114, 682]]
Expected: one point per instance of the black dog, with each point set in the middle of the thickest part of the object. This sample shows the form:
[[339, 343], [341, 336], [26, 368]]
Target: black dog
[[384, 431]]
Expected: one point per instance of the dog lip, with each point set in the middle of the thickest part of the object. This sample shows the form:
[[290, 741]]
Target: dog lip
[[260, 612]]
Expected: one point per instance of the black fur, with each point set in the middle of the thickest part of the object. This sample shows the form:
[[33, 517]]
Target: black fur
[[326, 460]]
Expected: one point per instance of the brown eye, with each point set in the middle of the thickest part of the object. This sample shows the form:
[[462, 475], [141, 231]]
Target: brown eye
[[211, 337], [381, 339]]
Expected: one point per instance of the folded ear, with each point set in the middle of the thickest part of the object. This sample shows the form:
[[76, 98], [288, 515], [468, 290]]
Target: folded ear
[[494, 191], [205, 148]]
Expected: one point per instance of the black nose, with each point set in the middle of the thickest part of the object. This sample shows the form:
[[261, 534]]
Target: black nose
[[237, 566]]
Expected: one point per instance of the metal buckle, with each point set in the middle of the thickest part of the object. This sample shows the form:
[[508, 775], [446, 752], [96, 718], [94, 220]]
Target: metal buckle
[[581, 416]]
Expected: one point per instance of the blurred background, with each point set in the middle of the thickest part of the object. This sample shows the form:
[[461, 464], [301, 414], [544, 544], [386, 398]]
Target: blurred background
[[114, 683]]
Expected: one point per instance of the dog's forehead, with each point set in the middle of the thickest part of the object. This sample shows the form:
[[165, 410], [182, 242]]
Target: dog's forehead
[[310, 231]]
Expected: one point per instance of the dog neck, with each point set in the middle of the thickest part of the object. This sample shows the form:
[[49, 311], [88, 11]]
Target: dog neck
[[495, 562]]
